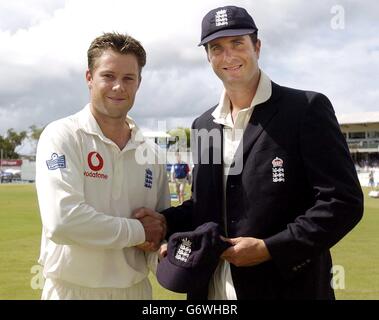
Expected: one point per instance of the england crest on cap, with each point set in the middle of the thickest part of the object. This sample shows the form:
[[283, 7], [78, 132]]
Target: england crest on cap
[[227, 21], [184, 250], [191, 258], [221, 18]]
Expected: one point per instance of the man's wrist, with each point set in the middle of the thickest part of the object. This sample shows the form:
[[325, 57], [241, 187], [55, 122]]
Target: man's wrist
[[265, 253]]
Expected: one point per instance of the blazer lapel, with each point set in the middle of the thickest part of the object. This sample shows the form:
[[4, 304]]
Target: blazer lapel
[[262, 114], [217, 168]]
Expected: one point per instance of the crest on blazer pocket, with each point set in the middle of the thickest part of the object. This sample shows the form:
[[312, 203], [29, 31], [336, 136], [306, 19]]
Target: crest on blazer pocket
[[278, 170]]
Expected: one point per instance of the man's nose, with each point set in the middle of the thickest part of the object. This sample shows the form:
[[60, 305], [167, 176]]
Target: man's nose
[[118, 86], [228, 55]]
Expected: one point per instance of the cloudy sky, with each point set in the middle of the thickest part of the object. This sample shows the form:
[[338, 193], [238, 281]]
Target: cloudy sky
[[326, 46]]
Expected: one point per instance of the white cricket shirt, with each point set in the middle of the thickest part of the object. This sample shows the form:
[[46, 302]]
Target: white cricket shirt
[[87, 189], [221, 286]]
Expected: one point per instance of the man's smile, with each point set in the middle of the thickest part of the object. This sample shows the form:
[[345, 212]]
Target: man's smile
[[115, 99], [233, 68]]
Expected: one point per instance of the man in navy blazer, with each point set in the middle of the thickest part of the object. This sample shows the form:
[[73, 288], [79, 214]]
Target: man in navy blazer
[[273, 169]]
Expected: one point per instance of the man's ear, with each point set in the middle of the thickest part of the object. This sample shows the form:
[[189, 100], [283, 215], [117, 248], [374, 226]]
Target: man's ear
[[139, 81], [89, 78], [258, 47], [207, 51]]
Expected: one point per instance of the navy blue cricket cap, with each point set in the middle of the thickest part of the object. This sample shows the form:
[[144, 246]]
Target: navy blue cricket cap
[[226, 21], [191, 259]]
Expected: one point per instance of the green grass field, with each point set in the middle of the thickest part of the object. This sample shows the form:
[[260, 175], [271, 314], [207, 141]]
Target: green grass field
[[20, 231]]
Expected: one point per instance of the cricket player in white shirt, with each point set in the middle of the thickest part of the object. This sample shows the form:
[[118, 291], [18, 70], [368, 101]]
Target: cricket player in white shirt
[[89, 181]]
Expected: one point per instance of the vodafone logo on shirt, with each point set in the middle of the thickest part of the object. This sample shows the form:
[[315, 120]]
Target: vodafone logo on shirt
[[95, 163]]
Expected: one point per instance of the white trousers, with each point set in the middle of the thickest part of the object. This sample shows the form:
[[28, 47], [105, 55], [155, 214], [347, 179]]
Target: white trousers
[[60, 290]]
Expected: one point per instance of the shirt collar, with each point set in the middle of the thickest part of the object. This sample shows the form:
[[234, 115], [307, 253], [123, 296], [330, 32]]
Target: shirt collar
[[89, 125], [222, 114]]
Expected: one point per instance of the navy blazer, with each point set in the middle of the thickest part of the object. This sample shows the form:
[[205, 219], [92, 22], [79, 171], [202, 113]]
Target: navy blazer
[[300, 210]]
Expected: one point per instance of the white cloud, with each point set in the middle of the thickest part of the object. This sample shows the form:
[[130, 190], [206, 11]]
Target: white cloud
[[44, 44], [22, 14]]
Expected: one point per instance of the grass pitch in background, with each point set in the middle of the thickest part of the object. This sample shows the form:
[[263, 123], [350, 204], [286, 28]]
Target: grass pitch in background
[[20, 232]]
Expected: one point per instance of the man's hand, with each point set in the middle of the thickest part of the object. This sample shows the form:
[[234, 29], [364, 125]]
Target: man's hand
[[162, 251], [146, 246], [154, 225], [246, 252]]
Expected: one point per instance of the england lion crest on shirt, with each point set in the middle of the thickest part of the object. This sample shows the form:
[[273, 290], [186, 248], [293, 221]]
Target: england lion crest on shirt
[[148, 178]]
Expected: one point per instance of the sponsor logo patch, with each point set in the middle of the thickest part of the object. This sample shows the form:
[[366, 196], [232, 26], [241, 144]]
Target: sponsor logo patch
[[56, 162], [95, 175], [95, 163]]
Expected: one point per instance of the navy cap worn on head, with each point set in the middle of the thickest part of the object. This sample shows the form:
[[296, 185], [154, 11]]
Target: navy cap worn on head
[[226, 22], [191, 259]]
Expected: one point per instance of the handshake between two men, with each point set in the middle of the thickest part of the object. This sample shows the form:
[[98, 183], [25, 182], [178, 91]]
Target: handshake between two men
[[155, 228], [245, 251]]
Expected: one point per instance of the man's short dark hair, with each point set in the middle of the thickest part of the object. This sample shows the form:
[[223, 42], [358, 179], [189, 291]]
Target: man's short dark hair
[[120, 43], [253, 37]]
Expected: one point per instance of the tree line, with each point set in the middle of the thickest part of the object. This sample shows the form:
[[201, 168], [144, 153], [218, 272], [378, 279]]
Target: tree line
[[12, 139]]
